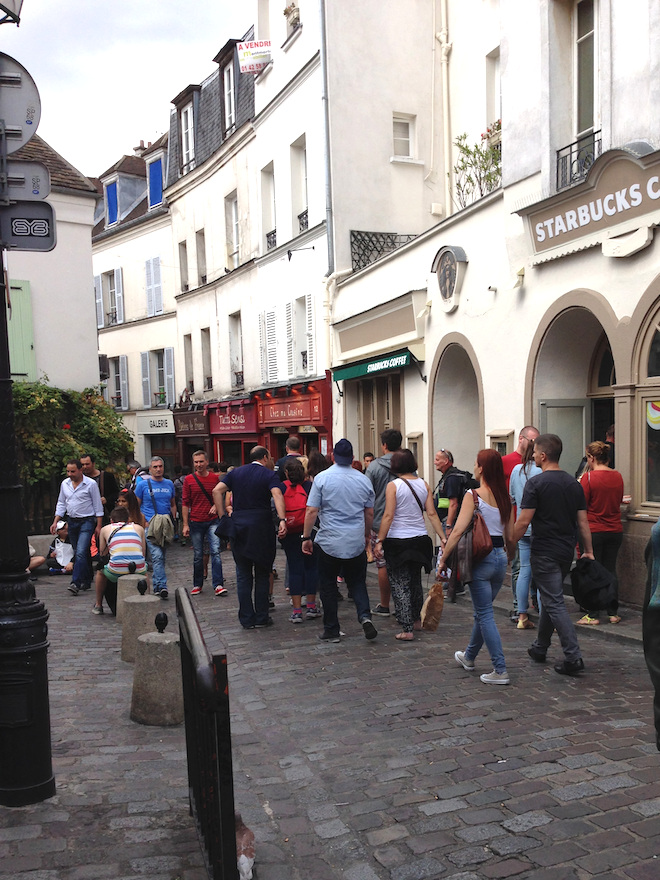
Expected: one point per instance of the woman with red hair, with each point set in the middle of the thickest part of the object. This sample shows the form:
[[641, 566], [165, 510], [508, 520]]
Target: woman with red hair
[[495, 506]]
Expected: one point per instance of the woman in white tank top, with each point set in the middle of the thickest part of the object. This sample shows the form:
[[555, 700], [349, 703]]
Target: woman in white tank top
[[487, 576], [404, 540]]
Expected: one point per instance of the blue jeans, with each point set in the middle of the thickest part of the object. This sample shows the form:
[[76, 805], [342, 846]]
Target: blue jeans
[[80, 536], [303, 570], [355, 573], [157, 556], [549, 577], [524, 574], [249, 575], [487, 578], [198, 530]]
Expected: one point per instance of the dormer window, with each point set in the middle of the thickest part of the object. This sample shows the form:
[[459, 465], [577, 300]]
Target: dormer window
[[187, 138], [230, 103], [155, 182], [111, 203]]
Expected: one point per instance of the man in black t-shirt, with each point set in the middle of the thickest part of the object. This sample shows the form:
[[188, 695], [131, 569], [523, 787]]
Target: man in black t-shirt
[[553, 502]]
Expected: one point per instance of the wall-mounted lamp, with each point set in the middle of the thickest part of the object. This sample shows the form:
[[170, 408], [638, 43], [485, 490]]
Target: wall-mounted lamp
[[425, 311], [492, 288], [521, 277]]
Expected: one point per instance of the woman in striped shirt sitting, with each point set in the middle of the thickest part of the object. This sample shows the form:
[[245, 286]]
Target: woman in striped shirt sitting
[[125, 543]]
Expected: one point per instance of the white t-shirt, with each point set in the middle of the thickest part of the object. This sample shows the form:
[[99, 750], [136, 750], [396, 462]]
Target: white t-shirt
[[492, 517], [408, 519]]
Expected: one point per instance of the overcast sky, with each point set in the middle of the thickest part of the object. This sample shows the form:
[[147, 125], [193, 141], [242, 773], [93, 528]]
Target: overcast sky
[[107, 71]]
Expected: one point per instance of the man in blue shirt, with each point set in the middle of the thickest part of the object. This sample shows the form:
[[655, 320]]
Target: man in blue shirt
[[80, 498], [156, 496], [253, 539], [343, 498]]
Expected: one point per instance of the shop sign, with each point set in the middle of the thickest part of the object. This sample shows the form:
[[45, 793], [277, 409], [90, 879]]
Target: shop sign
[[155, 423], [300, 409], [255, 56], [391, 362], [191, 424], [233, 420], [618, 191]]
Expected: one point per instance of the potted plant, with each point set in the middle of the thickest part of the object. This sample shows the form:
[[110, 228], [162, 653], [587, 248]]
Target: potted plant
[[292, 14]]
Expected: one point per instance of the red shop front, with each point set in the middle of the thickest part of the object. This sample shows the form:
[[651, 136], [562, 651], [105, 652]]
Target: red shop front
[[233, 430], [303, 409]]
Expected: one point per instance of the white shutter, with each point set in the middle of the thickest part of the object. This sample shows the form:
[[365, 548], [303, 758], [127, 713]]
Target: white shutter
[[146, 380], [291, 339], [158, 288], [123, 380], [119, 295], [271, 347], [150, 288], [309, 326], [98, 295], [262, 347], [168, 357]]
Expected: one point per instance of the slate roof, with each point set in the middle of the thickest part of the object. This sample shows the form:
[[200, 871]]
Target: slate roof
[[208, 113], [132, 165], [62, 173]]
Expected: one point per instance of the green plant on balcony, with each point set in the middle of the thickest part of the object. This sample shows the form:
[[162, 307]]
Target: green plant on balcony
[[478, 170]]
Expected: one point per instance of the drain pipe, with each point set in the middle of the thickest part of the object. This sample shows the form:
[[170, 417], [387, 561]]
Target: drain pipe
[[445, 47], [329, 224], [328, 298]]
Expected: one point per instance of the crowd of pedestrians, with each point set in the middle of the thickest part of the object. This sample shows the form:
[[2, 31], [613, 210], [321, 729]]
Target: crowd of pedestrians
[[333, 515]]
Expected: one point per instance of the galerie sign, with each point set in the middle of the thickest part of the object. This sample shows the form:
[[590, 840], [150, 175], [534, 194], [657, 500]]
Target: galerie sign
[[619, 189]]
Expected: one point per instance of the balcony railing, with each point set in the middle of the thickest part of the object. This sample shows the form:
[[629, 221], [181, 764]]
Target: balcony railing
[[367, 247], [116, 401], [271, 240], [238, 379], [208, 383], [112, 317], [303, 221], [575, 160], [160, 397]]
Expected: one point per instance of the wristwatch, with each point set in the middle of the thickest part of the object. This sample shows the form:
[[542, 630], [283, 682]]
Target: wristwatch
[[303, 538], [282, 519]]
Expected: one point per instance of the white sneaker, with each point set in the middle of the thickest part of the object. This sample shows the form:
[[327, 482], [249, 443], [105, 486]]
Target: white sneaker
[[495, 677], [459, 656]]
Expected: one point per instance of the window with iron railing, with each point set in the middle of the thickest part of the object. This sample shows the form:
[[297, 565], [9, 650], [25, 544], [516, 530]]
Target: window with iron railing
[[238, 380], [208, 383], [303, 221], [111, 317], [575, 160], [160, 397], [271, 240]]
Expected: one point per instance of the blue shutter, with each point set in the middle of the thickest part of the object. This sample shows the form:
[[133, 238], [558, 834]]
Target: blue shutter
[[155, 183], [111, 202]]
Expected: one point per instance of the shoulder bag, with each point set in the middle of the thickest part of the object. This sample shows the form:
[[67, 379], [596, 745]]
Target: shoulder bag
[[477, 533], [415, 495], [203, 488]]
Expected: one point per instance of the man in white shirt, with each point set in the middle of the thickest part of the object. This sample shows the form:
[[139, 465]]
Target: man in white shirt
[[80, 499]]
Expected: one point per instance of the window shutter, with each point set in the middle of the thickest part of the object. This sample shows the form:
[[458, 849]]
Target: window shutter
[[146, 380], [119, 295], [98, 296], [309, 322], [271, 347], [150, 288], [20, 332], [291, 339], [123, 380], [158, 288], [168, 356], [262, 347]]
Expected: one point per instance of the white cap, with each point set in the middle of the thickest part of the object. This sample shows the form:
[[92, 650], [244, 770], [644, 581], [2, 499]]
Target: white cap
[[60, 525]]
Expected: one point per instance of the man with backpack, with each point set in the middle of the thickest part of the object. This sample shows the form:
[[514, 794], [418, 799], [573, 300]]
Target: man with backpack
[[200, 520], [451, 487]]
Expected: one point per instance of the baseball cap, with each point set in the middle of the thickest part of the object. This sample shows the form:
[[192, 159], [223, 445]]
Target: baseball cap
[[343, 452], [60, 525]]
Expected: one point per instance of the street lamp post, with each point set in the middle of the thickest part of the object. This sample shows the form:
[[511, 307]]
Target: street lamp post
[[26, 774]]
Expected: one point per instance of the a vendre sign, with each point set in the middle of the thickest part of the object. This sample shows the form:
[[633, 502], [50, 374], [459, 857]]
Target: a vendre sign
[[253, 57], [618, 190]]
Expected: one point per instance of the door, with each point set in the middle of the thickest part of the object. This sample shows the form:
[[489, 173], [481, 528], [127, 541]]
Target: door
[[570, 420]]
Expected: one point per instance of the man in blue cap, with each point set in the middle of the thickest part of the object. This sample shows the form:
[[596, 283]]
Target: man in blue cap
[[343, 499]]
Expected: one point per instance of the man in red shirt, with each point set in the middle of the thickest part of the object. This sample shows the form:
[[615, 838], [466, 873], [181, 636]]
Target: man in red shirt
[[200, 520], [528, 435]]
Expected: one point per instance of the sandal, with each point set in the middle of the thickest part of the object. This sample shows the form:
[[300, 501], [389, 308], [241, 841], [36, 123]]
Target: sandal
[[614, 618], [405, 637], [524, 623], [588, 621]]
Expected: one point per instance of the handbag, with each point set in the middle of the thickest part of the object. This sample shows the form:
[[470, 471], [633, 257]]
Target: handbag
[[432, 608], [477, 533]]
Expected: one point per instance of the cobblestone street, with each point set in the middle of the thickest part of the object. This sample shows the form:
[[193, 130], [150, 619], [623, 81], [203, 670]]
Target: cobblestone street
[[360, 760]]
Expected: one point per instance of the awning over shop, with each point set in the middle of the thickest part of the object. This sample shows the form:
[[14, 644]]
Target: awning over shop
[[391, 361]]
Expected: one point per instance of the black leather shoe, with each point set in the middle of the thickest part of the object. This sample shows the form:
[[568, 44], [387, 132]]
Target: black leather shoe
[[574, 667], [536, 655]]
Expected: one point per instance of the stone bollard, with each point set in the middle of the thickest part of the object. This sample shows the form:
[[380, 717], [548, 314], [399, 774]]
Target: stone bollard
[[138, 619], [157, 688], [127, 585]]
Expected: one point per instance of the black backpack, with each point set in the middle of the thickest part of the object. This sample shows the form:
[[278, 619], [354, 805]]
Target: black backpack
[[467, 483]]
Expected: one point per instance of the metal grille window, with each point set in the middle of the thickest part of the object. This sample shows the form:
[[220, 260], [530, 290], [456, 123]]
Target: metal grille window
[[271, 240], [367, 247], [303, 221], [575, 160]]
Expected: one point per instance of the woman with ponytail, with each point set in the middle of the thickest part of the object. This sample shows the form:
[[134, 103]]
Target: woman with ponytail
[[494, 503]]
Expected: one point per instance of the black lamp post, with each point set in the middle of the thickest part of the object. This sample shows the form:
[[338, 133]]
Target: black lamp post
[[26, 774]]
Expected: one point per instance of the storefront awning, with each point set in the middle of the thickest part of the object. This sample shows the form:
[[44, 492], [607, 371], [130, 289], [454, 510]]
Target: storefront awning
[[391, 361]]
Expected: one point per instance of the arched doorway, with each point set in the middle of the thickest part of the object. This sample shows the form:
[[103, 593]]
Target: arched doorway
[[573, 381], [456, 407]]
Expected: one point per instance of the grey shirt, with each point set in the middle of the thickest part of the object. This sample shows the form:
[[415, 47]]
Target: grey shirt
[[380, 475]]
